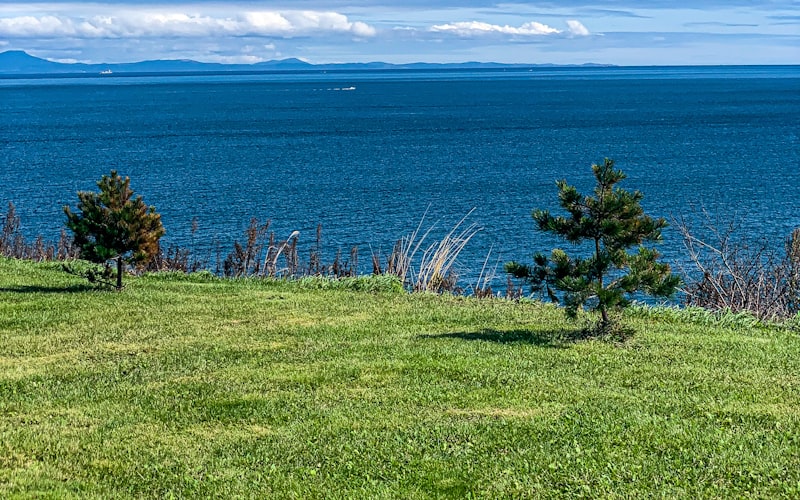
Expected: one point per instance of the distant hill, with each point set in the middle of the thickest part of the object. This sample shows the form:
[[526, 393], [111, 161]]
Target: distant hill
[[17, 62]]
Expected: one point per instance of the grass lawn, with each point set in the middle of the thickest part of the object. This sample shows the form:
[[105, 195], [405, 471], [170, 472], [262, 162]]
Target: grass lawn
[[197, 387]]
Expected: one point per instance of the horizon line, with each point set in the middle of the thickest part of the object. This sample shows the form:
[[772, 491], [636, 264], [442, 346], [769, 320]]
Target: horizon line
[[304, 62]]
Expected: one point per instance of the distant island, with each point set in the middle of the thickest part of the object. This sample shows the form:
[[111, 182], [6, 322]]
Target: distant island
[[17, 62]]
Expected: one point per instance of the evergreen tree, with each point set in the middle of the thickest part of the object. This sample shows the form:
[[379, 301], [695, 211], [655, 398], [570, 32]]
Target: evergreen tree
[[113, 225], [611, 222]]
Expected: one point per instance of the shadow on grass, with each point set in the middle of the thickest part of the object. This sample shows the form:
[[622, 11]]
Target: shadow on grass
[[48, 289], [545, 338]]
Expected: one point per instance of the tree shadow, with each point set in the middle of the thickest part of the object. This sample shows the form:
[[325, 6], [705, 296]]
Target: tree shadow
[[559, 339], [48, 289]]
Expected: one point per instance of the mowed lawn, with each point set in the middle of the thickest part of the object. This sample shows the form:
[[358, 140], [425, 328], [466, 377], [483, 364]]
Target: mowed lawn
[[194, 387]]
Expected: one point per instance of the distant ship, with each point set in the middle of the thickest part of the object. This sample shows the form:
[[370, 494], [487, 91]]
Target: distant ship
[[106, 72]]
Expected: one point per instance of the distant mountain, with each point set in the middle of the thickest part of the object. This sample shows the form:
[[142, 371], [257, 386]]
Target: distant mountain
[[291, 63], [17, 62]]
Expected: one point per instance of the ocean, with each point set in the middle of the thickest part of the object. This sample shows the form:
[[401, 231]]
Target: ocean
[[367, 153]]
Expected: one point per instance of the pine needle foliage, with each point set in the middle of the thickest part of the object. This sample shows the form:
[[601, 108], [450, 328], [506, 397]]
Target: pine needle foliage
[[611, 223], [113, 225]]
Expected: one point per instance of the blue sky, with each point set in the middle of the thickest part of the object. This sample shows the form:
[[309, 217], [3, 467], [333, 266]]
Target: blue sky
[[625, 32]]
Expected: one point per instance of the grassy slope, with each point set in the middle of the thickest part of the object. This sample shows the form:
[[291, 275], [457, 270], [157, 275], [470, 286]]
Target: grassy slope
[[198, 387]]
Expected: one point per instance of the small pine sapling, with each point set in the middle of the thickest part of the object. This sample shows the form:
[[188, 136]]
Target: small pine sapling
[[611, 222], [112, 225]]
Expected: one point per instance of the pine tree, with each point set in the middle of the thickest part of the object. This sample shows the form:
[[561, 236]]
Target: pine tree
[[611, 222], [113, 225]]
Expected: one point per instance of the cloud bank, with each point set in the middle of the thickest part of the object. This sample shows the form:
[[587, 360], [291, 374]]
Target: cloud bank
[[177, 24], [473, 28], [470, 29]]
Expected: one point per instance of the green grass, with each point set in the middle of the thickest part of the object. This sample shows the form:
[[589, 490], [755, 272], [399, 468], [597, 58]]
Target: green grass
[[198, 387]]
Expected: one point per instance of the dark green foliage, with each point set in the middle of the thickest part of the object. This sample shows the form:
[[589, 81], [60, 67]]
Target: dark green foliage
[[113, 225], [611, 222]]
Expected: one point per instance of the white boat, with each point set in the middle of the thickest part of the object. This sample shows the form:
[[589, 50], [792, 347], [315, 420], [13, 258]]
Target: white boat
[[106, 72]]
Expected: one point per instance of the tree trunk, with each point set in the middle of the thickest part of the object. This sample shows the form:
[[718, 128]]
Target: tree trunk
[[600, 304], [119, 272]]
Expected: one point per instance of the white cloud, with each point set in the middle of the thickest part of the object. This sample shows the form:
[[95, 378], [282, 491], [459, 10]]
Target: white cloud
[[264, 23], [363, 30], [30, 26], [577, 28], [477, 28], [142, 23], [329, 21]]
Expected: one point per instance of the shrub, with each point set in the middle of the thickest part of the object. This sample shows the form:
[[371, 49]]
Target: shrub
[[13, 243], [729, 273]]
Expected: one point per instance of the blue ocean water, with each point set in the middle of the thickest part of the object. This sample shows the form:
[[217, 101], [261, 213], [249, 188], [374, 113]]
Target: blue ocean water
[[366, 153]]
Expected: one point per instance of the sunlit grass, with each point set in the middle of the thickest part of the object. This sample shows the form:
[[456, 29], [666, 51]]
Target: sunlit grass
[[200, 387]]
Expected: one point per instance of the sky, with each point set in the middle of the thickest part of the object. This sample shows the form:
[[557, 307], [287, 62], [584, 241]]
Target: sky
[[623, 32]]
